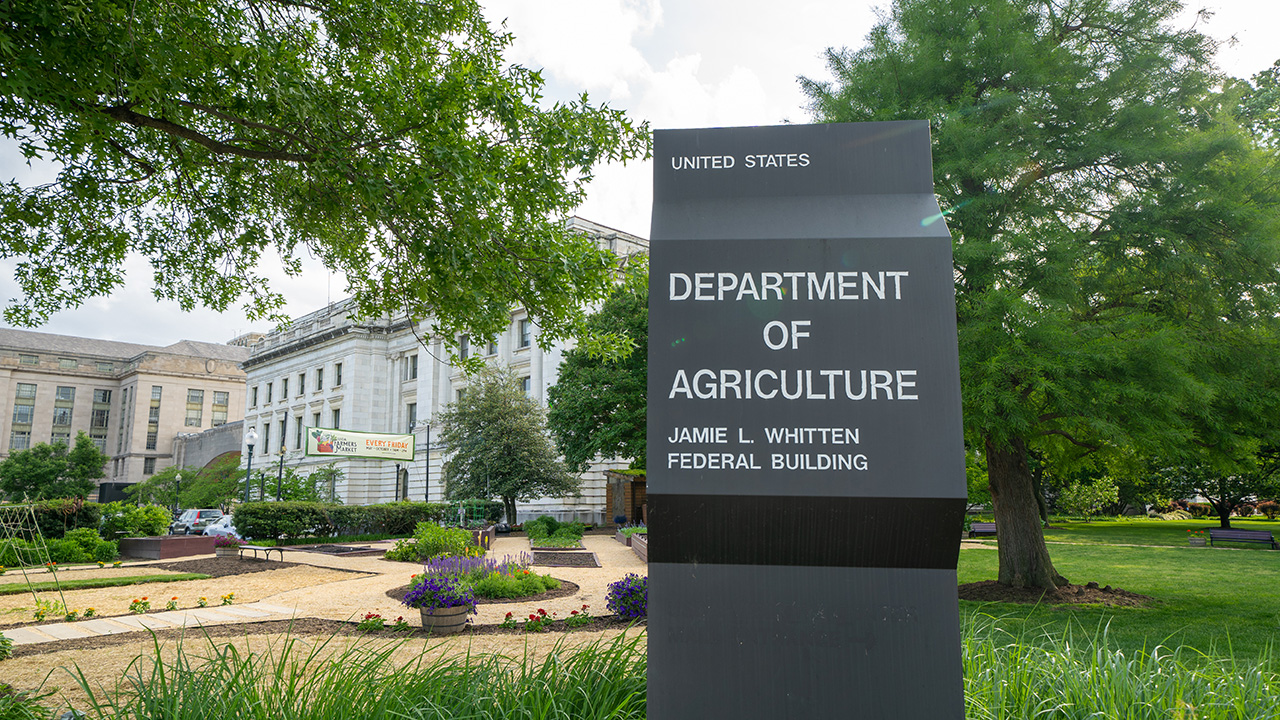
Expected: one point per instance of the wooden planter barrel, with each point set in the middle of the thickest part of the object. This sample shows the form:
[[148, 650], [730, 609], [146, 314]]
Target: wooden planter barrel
[[445, 621]]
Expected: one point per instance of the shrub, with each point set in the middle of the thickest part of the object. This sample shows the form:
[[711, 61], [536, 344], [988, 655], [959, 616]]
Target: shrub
[[1270, 508], [125, 520], [430, 541], [1244, 509], [56, 517], [275, 520], [628, 598], [521, 584], [1198, 509], [6, 647]]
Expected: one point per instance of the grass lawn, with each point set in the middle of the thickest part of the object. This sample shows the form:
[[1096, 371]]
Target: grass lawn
[[1141, 531], [1223, 602], [19, 588]]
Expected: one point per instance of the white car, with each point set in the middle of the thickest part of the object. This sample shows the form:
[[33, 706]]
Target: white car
[[222, 526]]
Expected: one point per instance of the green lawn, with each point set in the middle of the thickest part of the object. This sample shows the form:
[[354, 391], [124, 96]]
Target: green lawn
[[1224, 602], [1141, 531], [14, 588]]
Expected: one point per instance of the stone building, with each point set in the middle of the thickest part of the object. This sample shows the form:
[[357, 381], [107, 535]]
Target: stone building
[[131, 399], [328, 370]]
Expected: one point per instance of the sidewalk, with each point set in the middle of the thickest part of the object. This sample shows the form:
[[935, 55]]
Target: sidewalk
[[351, 599]]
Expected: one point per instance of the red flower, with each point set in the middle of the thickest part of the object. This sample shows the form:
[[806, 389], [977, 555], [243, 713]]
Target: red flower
[[533, 617], [508, 614], [573, 612], [540, 611]]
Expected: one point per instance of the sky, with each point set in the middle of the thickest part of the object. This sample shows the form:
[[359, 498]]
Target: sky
[[675, 64]]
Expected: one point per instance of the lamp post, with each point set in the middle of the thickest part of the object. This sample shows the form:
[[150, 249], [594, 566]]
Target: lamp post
[[250, 439], [280, 476], [426, 477], [177, 492]]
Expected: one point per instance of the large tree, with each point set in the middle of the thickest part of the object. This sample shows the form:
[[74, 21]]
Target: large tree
[[386, 138], [52, 470], [1115, 227], [499, 446], [598, 405]]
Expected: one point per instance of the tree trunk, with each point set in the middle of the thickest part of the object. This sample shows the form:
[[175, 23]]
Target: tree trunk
[[1024, 559], [1037, 486], [1224, 514], [509, 507]]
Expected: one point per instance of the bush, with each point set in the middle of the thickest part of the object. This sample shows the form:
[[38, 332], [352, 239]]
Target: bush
[[65, 551], [628, 598], [431, 540], [1244, 509], [275, 520], [1199, 510], [523, 584], [1270, 508], [56, 517], [121, 519]]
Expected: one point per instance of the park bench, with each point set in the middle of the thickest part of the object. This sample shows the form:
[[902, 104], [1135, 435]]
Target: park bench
[[1254, 536], [981, 529], [266, 551]]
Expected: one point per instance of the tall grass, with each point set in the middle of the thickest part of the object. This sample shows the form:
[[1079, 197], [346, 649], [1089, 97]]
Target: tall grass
[[1075, 673], [295, 680]]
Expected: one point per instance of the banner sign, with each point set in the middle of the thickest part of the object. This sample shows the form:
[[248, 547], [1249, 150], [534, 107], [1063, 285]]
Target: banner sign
[[340, 443], [806, 483]]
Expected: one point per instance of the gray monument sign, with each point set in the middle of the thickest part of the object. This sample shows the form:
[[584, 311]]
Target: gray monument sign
[[805, 462]]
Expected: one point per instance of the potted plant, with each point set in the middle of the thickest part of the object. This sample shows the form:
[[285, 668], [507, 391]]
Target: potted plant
[[1196, 537], [444, 603], [227, 546]]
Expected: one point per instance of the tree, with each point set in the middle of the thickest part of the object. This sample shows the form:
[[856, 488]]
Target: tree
[[162, 488], [1226, 488], [598, 406], [1114, 224], [52, 471], [500, 448], [387, 138], [214, 485]]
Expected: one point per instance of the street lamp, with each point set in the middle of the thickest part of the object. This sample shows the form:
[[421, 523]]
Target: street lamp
[[250, 439], [280, 476], [426, 477], [177, 491]]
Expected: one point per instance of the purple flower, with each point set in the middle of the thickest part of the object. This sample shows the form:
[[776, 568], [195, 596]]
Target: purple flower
[[439, 591]]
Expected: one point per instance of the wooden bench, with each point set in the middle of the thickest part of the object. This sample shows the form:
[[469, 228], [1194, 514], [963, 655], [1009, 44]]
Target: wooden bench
[[266, 551], [1253, 536], [982, 529]]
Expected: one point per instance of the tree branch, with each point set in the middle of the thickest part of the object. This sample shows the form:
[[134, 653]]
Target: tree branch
[[122, 113]]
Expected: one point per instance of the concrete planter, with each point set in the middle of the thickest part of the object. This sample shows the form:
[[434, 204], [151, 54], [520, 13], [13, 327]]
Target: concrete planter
[[166, 546]]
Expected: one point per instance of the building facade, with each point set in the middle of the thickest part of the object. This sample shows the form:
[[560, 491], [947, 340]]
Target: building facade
[[131, 399], [389, 375]]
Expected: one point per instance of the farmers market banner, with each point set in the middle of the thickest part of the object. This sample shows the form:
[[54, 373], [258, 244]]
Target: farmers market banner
[[340, 443]]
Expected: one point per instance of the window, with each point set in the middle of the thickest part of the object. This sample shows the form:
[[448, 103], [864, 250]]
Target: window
[[29, 359], [23, 414], [220, 402], [319, 379], [195, 417], [284, 388], [100, 441], [411, 412], [61, 437], [253, 396], [65, 394], [464, 346], [19, 440], [315, 420], [337, 419], [297, 433], [411, 367], [148, 466], [266, 439], [152, 437], [100, 418], [101, 397], [156, 390], [302, 383], [526, 384], [493, 348], [68, 363], [337, 374], [105, 367], [526, 333], [26, 390], [153, 416], [268, 400], [61, 416], [462, 393]]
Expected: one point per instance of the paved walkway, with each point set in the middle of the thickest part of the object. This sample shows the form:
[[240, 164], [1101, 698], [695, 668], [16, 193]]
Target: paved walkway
[[352, 599]]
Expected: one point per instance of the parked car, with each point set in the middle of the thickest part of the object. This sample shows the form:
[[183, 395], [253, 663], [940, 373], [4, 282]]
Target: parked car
[[194, 521], [222, 527]]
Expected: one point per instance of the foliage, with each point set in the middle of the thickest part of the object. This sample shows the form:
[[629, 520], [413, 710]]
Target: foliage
[[65, 584], [546, 531], [500, 447], [634, 530], [386, 138], [539, 621], [120, 519], [371, 622], [281, 679], [6, 647], [1226, 488], [470, 568], [320, 485], [271, 520], [1270, 508], [434, 592], [52, 471], [1088, 498], [431, 540], [628, 598], [488, 512], [162, 488], [56, 517], [522, 583], [597, 408], [213, 486], [227, 541], [20, 704], [1115, 231], [140, 605]]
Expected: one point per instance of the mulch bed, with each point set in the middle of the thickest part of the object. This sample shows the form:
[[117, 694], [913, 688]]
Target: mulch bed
[[222, 567], [298, 627], [1088, 594], [565, 590], [567, 558]]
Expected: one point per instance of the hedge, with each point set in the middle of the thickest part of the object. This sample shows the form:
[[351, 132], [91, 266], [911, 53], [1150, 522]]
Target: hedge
[[276, 520], [56, 517]]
